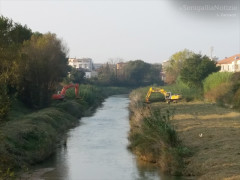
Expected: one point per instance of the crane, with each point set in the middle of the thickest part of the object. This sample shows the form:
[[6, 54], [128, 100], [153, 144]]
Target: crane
[[168, 95], [61, 94]]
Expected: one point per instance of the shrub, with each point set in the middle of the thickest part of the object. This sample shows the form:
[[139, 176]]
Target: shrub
[[157, 141], [4, 103], [219, 93], [215, 79]]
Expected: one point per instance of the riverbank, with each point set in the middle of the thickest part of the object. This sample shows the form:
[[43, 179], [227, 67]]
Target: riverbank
[[153, 138], [31, 138], [212, 133], [209, 133]]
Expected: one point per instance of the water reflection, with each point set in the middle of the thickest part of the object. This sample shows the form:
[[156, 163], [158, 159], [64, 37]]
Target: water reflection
[[97, 149]]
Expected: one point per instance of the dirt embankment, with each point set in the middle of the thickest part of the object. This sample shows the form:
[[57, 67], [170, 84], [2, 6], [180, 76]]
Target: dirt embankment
[[212, 133]]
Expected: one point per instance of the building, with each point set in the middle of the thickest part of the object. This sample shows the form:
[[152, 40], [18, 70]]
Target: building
[[85, 64], [230, 64], [165, 64]]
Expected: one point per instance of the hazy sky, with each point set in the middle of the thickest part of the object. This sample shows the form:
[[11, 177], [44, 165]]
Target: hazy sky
[[151, 30]]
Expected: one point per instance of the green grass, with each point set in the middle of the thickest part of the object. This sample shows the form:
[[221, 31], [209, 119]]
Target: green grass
[[215, 79], [152, 136], [30, 137], [188, 94]]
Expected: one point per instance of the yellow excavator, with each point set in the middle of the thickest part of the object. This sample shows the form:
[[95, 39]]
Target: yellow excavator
[[168, 95]]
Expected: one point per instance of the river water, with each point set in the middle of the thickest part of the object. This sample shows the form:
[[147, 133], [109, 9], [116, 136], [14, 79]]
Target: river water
[[97, 149]]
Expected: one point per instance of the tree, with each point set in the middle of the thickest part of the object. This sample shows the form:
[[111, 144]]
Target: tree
[[12, 35], [43, 64], [153, 75], [136, 71], [107, 74], [196, 68], [175, 65], [77, 75]]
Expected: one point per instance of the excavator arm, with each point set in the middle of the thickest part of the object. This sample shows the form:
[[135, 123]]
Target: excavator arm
[[62, 94], [168, 95], [148, 94]]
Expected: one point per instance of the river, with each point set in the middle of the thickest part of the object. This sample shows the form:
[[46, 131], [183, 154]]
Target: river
[[97, 149]]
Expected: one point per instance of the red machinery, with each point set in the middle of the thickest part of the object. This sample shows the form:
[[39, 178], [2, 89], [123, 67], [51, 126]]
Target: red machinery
[[61, 95]]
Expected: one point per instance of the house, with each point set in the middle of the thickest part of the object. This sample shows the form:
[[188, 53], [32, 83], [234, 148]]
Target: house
[[86, 64], [230, 64]]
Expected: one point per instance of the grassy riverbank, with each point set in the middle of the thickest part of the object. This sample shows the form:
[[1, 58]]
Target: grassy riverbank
[[152, 136], [30, 137], [210, 133]]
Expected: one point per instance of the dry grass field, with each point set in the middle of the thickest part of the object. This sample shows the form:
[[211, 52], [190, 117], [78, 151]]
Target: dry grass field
[[213, 135]]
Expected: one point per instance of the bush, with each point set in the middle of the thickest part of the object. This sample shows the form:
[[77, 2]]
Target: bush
[[219, 93], [157, 141], [152, 136], [4, 103], [215, 79], [188, 93]]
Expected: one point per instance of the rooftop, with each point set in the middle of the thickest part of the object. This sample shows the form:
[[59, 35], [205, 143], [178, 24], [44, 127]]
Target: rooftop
[[229, 60]]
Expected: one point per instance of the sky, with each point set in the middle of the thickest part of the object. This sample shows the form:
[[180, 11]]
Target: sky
[[150, 30]]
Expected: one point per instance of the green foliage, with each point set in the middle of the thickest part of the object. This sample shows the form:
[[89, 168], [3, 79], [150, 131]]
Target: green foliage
[[132, 74], [136, 71], [12, 35], [42, 66], [152, 77], [32, 137], [188, 93], [152, 136], [4, 103], [215, 79], [158, 140], [106, 75], [223, 88], [196, 69], [8, 174], [90, 94], [76, 76], [175, 65]]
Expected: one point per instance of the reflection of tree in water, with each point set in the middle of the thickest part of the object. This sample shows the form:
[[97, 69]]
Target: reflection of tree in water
[[150, 171], [147, 170]]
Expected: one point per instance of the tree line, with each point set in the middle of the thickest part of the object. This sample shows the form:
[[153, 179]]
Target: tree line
[[133, 73], [190, 68], [32, 65]]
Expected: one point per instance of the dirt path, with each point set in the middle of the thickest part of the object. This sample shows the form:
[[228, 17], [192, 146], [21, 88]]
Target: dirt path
[[213, 133]]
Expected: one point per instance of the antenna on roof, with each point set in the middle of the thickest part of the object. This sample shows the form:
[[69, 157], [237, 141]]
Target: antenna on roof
[[211, 52]]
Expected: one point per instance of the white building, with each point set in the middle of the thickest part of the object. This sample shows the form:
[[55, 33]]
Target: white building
[[231, 64], [84, 63]]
